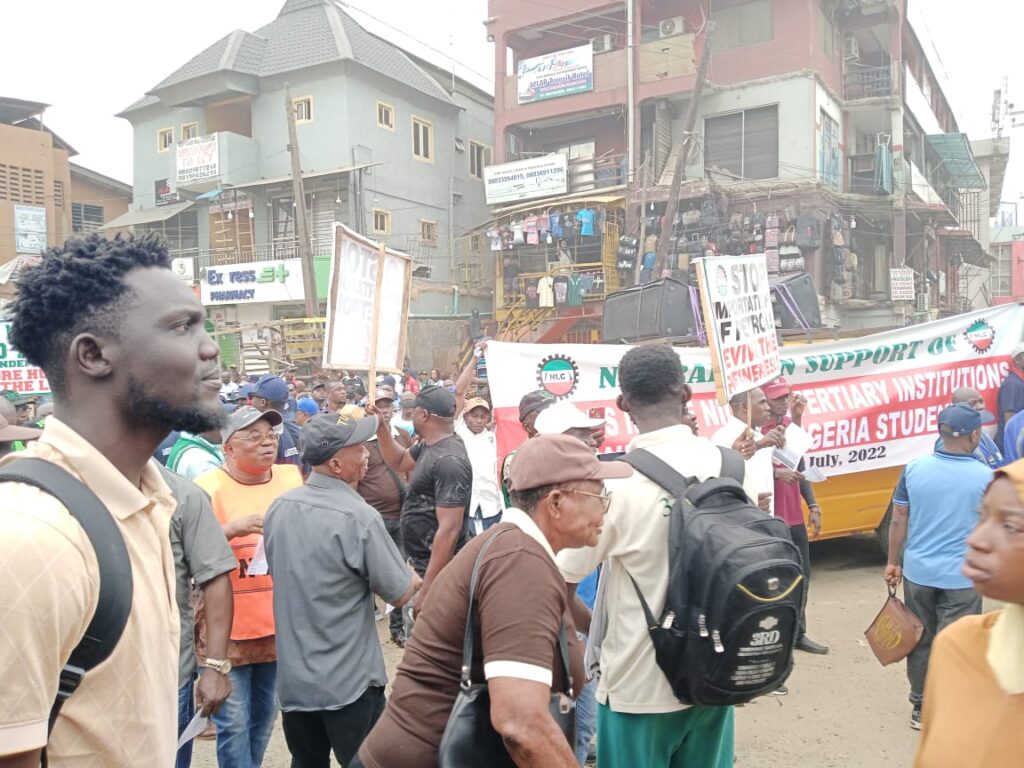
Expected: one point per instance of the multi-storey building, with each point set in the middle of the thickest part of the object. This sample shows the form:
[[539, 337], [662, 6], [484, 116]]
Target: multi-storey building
[[1007, 280], [821, 134], [390, 145], [44, 198]]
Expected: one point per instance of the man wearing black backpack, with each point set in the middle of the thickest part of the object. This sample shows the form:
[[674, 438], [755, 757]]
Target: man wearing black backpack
[[122, 341], [641, 722]]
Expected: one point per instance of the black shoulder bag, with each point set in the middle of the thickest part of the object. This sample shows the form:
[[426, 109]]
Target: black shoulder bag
[[469, 739], [115, 569]]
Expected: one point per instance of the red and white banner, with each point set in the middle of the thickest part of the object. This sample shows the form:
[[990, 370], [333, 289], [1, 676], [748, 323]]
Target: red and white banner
[[872, 402], [16, 373]]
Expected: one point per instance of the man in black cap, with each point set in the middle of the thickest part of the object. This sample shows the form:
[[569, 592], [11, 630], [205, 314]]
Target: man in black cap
[[530, 406], [271, 394], [329, 553], [435, 513]]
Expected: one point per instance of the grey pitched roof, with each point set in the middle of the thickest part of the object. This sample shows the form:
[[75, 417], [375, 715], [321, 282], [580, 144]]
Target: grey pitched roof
[[304, 34]]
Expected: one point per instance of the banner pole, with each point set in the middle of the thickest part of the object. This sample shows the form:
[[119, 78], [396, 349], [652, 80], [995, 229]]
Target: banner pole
[[375, 326]]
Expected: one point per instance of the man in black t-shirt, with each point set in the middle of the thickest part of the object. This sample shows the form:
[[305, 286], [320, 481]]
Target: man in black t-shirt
[[435, 514]]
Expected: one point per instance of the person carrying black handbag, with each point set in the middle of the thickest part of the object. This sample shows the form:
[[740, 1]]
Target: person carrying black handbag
[[511, 704]]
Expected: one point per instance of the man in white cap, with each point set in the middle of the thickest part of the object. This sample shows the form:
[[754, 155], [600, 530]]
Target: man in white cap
[[473, 426], [564, 418]]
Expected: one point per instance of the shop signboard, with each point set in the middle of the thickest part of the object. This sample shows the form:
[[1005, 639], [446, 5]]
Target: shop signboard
[[737, 302], [901, 284], [872, 401], [29, 229], [163, 194], [526, 179], [557, 74], [252, 283], [198, 159], [365, 298], [16, 373]]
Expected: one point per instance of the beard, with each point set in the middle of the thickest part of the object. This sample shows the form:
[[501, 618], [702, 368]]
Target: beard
[[154, 412]]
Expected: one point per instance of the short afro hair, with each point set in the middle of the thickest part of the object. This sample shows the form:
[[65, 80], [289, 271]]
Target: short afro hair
[[77, 288], [652, 374]]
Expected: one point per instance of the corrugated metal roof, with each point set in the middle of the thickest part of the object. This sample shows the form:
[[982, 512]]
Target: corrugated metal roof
[[148, 215], [957, 159], [305, 33]]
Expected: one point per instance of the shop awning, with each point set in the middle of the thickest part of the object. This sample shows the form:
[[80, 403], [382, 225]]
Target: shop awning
[[957, 159], [305, 176], [148, 215], [604, 196]]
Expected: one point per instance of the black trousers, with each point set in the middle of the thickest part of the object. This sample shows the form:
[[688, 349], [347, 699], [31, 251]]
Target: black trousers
[[394, 529], [311, 736], [799, 535]]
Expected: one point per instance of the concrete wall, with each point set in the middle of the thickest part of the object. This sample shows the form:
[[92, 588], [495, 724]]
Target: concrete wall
[[436, 344], [85, 191]]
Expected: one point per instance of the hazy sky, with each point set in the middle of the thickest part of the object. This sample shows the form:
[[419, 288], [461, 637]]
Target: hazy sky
[[92, 59]]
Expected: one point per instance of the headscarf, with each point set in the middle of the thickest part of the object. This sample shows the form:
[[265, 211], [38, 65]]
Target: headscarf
[[1006, 642]]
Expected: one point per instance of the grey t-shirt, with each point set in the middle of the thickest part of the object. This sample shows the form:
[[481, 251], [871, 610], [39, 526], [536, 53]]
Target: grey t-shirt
[[328, 552], [200, 552]]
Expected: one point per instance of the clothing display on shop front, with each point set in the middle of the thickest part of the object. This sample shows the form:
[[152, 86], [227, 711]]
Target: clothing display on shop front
[[530, 288], [575, 290], [495, 237], [532, 230], [518, 237], [546, 291], [561, 288], [586, 218]]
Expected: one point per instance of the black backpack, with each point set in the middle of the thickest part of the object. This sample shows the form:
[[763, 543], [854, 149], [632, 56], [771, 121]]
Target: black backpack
[[735, 589], [115, 570]]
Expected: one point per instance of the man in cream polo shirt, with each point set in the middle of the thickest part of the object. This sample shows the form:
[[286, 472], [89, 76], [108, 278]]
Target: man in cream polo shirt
[[122, 342]]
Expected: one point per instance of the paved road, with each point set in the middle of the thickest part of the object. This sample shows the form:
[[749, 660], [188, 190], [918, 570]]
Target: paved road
[[843, 710]]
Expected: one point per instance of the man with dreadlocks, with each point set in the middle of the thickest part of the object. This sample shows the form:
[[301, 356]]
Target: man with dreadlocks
[[122, 342]]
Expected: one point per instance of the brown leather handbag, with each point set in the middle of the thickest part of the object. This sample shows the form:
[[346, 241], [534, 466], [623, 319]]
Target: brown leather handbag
[[895, 632]]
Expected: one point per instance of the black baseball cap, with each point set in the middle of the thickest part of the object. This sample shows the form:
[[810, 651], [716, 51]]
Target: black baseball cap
[[534, 401], [436, 400], [961, 419], [326, 434]]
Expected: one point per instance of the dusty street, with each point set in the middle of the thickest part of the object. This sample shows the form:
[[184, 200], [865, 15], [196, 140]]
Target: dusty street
[[843, 710]]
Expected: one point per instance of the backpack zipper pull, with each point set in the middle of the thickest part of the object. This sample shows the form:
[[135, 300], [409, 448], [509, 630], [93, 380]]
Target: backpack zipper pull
[[717, 640], [666, 623], [702, 625]]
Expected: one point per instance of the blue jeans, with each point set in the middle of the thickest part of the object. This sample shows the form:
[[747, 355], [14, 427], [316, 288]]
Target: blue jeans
[[479, 523], [186, 711], [586, 715], [246, 719]]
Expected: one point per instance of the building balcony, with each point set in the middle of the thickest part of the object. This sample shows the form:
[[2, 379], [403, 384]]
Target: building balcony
[[278, 250], [870, 82], [215, 160]]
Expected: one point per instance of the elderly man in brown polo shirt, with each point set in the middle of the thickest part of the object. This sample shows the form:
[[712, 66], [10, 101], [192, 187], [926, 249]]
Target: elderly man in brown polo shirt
[[521, 608]]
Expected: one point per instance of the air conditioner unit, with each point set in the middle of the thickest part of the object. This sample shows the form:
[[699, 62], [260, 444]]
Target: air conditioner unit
[[671, 27], [185, 269], [603, 43], [851, 49]]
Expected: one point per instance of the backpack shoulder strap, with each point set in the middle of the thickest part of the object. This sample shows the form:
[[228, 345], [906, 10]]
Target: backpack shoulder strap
[[733, 465], [115, 598], [646, 463]]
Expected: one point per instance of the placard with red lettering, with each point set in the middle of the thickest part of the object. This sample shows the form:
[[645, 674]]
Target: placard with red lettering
[[16, 374], [872, 402], [737, 303]]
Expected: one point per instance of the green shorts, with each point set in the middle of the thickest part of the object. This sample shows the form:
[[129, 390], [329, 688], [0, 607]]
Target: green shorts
[[698, 737]]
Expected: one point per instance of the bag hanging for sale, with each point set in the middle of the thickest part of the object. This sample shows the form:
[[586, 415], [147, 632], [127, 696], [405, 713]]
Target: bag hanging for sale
[[895, 632]]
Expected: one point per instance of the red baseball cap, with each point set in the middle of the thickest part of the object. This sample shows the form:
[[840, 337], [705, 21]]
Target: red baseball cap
[[777, 388]]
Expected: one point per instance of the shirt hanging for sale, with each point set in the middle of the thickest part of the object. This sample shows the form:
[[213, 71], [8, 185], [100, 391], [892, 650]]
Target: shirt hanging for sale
[[561, 288], [575, 290], [586, 218], [546, 292], [532, 291], [532, 230], [495, 237], [555, 224], [517, 233]]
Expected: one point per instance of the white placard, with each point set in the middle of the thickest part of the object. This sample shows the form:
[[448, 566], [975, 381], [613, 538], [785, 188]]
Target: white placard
[[901, 284], [526, 179], [252, 283], [29, 229], [737, 302], [350, 305]]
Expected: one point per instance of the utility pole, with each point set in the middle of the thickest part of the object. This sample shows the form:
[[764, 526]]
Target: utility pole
[[301, 222], [680, 174]]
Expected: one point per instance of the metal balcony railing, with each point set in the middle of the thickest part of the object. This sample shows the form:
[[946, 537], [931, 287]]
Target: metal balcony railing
[[274, 251], [864, 82]]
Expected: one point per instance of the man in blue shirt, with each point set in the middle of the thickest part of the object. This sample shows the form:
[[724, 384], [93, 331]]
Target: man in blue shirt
[[987, 452], [1013, 438], [934, 510], [1011, 391]]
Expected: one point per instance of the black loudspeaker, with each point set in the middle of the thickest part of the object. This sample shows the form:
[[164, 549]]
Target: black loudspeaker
[[656, 310], [796, 292]]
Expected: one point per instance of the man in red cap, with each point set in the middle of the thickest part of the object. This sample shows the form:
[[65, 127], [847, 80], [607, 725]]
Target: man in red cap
[[790, 487]]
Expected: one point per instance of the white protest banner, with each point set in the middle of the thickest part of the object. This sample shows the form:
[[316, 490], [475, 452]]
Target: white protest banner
[[16, 373], [352, 311], [872, 402], [737, 303]]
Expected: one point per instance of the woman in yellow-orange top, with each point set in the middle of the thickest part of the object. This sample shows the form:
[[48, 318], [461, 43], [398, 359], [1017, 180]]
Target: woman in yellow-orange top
[[974, 694]]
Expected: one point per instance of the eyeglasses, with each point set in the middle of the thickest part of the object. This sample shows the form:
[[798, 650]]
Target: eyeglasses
[[257, 439], [606, 497]]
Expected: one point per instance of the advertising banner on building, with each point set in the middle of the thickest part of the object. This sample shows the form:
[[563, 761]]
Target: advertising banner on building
[[353, 309], [198, 159], [901, 284], [16, 374], [872, 402], [557, 74], [253, 283], [163, 194], [526, 179], [737, 303], [29, 229]]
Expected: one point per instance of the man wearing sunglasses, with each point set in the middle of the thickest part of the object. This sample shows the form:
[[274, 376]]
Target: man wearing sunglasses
[[242, 491]]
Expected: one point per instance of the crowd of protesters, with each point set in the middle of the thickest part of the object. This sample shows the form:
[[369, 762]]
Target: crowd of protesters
[[278, 510]]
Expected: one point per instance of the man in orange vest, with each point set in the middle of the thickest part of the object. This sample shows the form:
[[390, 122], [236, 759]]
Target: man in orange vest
[[242, 491]]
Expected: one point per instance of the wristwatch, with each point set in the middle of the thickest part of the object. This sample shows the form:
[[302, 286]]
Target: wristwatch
[[218, 665]]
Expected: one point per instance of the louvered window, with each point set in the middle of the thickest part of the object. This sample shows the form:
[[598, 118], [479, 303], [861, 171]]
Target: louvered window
[[743, 145]]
